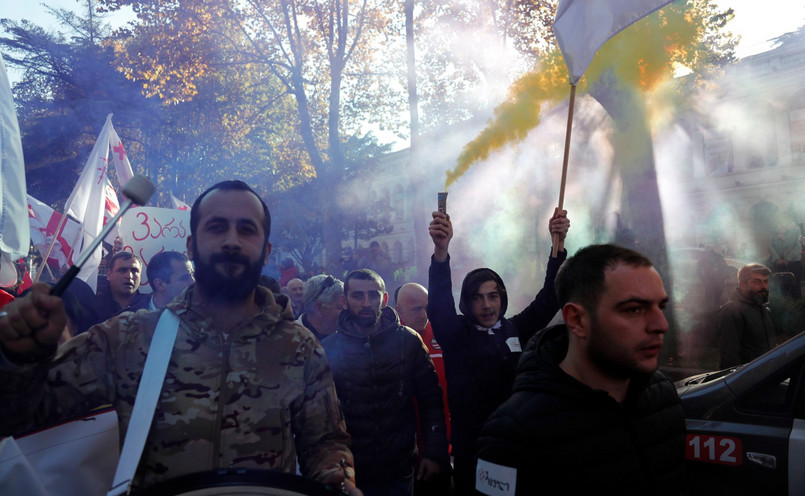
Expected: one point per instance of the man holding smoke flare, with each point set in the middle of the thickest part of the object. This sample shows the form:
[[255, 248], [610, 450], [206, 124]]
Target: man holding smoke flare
[[482, 347]]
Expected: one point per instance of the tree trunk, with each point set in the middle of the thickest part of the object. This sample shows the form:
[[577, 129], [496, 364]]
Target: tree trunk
[[420, 256], [634, 155]]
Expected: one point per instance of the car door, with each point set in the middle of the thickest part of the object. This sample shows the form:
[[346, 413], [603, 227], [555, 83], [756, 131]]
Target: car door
[[745, 445]]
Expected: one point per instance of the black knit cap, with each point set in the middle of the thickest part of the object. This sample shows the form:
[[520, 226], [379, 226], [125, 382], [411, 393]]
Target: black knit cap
[[473, 281]]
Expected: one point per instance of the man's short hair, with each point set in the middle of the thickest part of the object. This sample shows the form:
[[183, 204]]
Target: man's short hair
[[753, 268], [195, 215], [160, 265], [581, 277], [121, 255], [364, 275], [397, 294], [321, 288]]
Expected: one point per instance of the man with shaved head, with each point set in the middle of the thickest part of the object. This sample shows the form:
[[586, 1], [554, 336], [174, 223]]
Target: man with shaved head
[[296, 291], [412, 306]]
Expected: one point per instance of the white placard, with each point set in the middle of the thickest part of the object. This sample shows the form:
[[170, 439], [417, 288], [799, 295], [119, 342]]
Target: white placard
[[146, 231], [495, 480]]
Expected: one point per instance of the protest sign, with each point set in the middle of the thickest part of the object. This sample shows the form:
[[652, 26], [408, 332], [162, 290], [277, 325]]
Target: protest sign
[[146, 231]]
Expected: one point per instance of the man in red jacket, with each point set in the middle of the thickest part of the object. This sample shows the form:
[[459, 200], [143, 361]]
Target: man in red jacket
[[412, 306]]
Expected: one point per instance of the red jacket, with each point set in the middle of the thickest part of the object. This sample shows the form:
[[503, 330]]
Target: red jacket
[[6, 298], [435, 352]]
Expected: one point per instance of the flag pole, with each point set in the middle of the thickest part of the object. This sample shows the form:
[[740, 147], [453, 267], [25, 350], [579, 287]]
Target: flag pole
[[565, 160], [50, 247]]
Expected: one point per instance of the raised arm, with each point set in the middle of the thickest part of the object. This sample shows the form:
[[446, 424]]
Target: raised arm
[[441, 306], [441, 232], [559, 225], [545, 304]]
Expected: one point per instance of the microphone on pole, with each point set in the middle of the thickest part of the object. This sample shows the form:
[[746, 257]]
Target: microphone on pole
[[137, 191]]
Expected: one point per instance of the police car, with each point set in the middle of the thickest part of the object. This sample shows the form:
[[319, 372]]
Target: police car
[[746, 425]]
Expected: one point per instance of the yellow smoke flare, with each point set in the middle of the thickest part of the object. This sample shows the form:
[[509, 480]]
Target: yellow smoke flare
[[641, 56]]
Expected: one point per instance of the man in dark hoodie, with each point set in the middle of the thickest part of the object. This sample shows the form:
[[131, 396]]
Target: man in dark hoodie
[[481, 347], [380, 367], [590, 413]]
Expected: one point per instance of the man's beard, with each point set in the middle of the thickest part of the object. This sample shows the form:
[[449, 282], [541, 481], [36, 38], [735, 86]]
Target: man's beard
[[366, 321], [758, 297], [233, 289]]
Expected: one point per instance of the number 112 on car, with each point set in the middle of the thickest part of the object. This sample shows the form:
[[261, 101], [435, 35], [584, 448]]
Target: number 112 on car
[[714, 449]]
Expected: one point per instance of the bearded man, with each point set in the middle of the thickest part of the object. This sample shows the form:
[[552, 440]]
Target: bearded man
[[384, 379], [246, 387], [745, 326]]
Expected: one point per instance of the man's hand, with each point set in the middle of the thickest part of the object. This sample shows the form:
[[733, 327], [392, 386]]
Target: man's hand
[[117, 247], [427, 469], [32, 323], [351, 489], [558, 227], [441, 231]]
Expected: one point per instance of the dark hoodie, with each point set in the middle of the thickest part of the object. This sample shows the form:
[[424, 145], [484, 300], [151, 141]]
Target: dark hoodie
[[563, 437], [377, 378], [479, 365]]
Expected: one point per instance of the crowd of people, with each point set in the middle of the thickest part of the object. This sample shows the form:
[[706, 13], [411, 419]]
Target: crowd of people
[[332, 380]]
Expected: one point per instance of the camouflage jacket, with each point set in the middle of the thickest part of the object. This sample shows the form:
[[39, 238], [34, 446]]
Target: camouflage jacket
[[255, 398]]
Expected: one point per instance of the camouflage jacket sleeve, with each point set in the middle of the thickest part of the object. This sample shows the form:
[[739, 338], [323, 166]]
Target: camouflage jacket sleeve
[[77, 379], [322, 442]]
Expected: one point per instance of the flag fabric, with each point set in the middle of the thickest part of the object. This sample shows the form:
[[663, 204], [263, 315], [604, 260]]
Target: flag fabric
[[14, 231], [88, 200], [179, 204], [44, 221], [111, 206], [583, 26], [119, 158]]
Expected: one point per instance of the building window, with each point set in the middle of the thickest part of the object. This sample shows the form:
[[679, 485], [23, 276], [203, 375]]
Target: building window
[[796, 124], [718, 154]]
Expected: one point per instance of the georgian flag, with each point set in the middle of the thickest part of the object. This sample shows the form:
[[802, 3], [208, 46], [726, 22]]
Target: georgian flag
[[44, 221]]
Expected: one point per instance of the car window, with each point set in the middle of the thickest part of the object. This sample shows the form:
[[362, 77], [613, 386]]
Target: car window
[[774, 396]]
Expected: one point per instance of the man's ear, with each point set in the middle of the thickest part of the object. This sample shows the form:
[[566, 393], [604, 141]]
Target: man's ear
[[268, 252], [189, 246], [577, 319], [385, 300], [158, 284]]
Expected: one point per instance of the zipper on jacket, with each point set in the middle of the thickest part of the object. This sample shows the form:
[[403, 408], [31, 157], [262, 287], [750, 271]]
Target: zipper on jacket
[[219, 414]]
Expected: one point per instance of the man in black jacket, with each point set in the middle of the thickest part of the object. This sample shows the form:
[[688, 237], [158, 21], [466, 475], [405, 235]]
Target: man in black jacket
[[380, 367], [590, 413], [481, 347], [745, 327]]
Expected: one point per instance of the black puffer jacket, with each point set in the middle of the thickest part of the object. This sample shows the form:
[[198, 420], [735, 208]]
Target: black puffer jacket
[[564, 438], [377, 378]]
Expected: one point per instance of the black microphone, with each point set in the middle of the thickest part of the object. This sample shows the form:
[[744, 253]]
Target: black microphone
[[138, 190]]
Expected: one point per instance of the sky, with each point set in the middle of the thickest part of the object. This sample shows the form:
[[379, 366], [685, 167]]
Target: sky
[[756, 21]]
